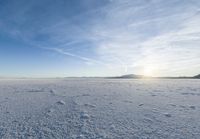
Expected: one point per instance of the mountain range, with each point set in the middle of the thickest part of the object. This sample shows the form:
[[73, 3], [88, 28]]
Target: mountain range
[[134, 76]]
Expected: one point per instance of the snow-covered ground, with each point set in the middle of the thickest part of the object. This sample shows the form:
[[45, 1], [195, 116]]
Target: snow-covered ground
[[100, 109]]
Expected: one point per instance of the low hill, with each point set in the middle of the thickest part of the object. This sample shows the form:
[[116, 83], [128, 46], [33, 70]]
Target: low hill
[[134, 76], [197, 76], [129, 76]]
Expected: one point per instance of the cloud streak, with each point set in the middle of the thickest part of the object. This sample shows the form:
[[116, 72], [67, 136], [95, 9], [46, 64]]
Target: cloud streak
[[87, 60], [124, 36], [166, 38]]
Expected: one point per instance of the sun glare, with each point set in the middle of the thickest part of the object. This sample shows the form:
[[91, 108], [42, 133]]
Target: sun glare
[[151, 65], [148, 71]]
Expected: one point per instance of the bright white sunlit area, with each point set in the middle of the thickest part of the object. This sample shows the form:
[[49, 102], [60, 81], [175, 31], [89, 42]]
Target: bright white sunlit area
[[99, 69]]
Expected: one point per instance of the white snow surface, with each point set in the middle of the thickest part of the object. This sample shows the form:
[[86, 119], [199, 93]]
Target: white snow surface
[[80, 108]]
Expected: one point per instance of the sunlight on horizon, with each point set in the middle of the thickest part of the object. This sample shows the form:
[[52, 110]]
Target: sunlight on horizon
[[102, 38]]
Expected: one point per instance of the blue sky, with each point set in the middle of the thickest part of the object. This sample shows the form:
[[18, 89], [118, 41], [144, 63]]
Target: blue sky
[[48, 38]]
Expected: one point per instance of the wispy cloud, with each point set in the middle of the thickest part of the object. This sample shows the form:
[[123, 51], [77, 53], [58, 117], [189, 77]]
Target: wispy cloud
[[122, 35], [159, 35], [85, 59]]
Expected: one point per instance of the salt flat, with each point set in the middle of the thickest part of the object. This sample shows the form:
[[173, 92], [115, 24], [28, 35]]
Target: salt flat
[[79, 108]]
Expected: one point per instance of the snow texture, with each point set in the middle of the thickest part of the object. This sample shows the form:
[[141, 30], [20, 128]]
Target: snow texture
[[79, 108]]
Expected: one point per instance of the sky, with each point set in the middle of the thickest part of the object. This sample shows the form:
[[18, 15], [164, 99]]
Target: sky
[[62, 38]]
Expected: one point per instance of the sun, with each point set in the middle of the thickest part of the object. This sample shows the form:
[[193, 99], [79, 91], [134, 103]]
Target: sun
[[151, 69], [148, 71], [151, 65]]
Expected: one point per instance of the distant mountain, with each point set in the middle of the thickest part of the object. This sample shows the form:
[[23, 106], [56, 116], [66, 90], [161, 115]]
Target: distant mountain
[[129, 76], [134, 76], [197, 76]]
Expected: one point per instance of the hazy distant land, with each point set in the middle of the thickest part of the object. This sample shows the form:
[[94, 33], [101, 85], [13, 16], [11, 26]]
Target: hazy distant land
[[134, 76]]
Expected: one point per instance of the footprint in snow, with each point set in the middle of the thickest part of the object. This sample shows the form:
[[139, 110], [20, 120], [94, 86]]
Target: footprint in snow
[[128, 101], [52, 92], [141, 104], [89, 105], [174, 105], [35, 90], [112, 127], [182, 106], [192, 107], [84, 115], [61, 102], [192, 94], [167, 115], [148, 120], [50, 110], [86, 95]]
